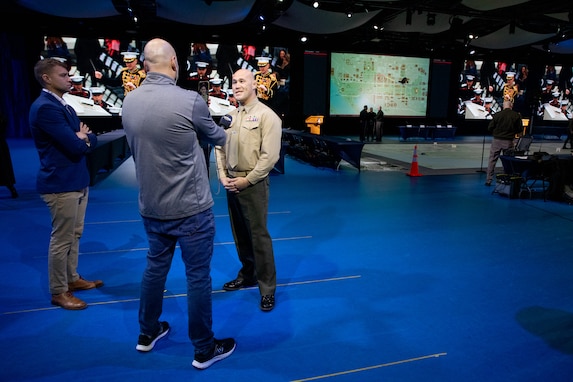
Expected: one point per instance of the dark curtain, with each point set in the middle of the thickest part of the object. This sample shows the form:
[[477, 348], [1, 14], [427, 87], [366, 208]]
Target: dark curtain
[[18, 54]]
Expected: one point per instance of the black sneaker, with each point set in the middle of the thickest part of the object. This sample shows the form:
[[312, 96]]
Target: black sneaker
[[221, 350], [146, 343]]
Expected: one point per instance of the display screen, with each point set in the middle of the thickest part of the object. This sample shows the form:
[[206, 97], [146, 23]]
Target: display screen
[[544, 92], [398, 84], [200, 64]]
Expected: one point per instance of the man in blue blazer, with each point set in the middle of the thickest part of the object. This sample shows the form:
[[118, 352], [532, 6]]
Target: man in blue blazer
[[62, 141]]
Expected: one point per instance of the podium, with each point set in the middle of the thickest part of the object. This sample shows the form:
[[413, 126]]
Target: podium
[[313, 123], [525, 122]]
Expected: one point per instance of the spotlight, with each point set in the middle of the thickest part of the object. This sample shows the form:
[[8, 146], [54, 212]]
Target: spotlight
[[349, 14], [315, 4], [303, 39]]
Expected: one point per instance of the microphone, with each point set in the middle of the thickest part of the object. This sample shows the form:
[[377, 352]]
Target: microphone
[[225, 121]]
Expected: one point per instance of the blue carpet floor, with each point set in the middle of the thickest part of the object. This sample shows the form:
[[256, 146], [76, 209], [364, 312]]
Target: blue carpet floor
[[382, 277]]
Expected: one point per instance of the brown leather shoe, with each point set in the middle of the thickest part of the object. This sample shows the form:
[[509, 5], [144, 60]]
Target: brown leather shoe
[[68, 301], [81, 284]]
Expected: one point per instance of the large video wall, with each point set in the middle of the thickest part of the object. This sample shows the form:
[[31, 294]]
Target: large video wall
[[541, 91], [85, 56], [397, 84]]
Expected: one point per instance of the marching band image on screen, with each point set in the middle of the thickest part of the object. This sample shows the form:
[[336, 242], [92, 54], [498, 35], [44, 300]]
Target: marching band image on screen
[[483, 86]]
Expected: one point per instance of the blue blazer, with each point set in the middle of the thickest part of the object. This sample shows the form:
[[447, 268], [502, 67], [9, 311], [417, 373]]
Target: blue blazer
[[63, 166]]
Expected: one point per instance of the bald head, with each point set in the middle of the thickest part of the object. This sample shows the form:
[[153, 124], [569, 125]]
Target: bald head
[[160, 57]]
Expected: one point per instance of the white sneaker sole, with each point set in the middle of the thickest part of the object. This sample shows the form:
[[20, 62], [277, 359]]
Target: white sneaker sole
[[206, 364], [149, 347]]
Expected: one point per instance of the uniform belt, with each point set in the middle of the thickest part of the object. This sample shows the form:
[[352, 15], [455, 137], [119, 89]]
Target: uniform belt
[[235, 174]]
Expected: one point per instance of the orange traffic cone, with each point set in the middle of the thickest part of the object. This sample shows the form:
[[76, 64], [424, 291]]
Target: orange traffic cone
[[414, 167]]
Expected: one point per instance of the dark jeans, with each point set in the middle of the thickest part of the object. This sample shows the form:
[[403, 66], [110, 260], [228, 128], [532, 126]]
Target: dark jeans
[[195, 235]]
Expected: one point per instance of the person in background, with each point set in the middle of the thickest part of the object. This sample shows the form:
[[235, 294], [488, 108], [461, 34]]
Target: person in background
[[201, 53], [227, 55], [555, 102], [87, 51], [266, 81], [521, 79], [569, 135], [216, 89], [488, 103], [510, 89], [231, 98], [62, 142], [56, 47], [97, 97], [379, 124], [363, 120], [477, 99], [130, 77], [163, 123], [504, 126], [466, 91], [547, 91], [371, 118], [283, 66], [564, 109], [243, 164], [7, 177], [550, 73], [78, 89], [199, 80]]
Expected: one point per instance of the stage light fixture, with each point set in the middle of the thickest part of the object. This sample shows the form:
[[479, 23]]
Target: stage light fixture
[[315, 4], [303, 39], [349, 14]]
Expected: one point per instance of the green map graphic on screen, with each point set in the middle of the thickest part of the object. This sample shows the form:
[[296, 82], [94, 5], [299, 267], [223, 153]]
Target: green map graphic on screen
[[398, 84]]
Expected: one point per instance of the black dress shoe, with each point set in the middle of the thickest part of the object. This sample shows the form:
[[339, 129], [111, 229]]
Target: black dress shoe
[[267, 302], [237, 284]]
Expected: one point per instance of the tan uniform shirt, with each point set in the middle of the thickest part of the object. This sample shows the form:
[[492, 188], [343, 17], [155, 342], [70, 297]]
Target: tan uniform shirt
[[253, 143]]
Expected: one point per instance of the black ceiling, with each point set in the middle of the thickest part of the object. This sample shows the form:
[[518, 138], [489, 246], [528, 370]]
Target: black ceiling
[[438, 27]]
